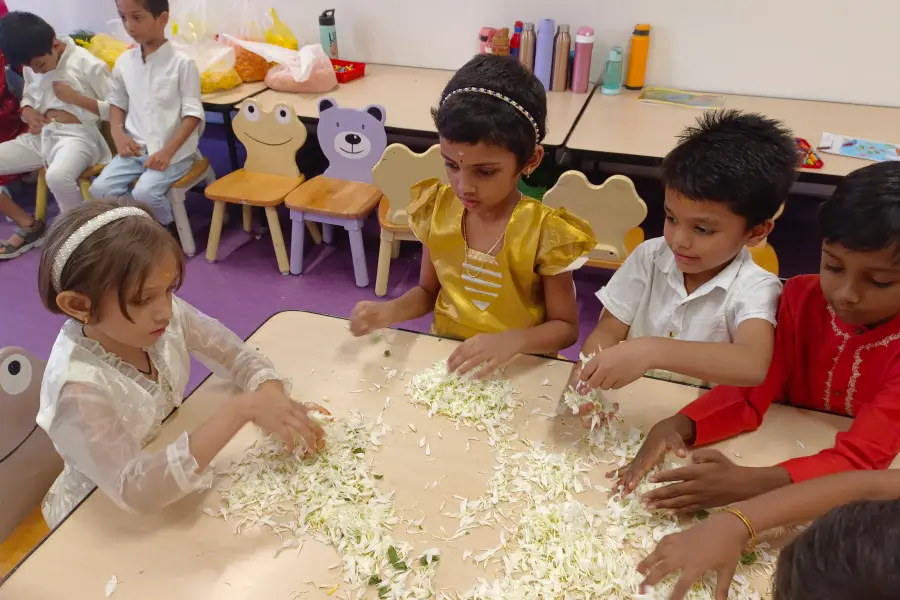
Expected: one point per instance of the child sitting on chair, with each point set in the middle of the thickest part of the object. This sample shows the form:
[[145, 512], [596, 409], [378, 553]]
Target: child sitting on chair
[[156, 112], [693, 302], [121, 363], [496, 266], [63, 103], [837, 349]]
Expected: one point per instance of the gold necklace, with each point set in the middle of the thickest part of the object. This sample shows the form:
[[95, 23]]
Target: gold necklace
[[472, 271]]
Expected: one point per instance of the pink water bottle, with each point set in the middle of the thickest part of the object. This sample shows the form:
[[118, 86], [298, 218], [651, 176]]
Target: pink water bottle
[[584, 48]]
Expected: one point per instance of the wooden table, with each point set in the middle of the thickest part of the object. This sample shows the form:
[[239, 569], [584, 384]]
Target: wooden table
[[224, 103], [624, 130], [181, 553], [409, 93]]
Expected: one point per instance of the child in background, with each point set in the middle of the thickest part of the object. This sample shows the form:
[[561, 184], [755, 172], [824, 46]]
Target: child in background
[[837, 349], [63, 103], [121, 364], [847, 555], [496, 266], [156, 112], [693, 302]]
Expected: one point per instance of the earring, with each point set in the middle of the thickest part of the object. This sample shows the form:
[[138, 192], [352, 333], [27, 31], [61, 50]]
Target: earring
[[87, 319]]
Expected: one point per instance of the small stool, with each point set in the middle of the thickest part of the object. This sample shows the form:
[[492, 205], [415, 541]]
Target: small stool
[[251, 189], [332, 202]]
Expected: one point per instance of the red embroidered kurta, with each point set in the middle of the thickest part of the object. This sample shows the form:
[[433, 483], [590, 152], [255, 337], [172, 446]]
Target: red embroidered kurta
[[822, 363]]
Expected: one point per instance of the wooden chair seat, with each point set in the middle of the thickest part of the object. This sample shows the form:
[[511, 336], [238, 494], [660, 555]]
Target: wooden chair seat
[[198, 170], [384, 208], [21, 541], [92, 172], [334, 198], [253, 189], [633, 239]]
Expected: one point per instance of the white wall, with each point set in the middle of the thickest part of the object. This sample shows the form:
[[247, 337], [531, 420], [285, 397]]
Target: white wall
[[841, 50]]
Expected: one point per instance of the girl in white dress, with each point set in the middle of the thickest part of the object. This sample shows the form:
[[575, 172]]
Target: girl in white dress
[[121, 363]]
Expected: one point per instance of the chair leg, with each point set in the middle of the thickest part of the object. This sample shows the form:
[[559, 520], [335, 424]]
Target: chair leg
[[395, 250], [278, 240], [85, 185], [247, 213], [327, 233], [314, 232], [177, 198], [215, 232], [384, 263], [40, 200], [298, 238], [358, 250]]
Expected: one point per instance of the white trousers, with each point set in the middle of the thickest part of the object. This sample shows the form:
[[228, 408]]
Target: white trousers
[[65, 150]]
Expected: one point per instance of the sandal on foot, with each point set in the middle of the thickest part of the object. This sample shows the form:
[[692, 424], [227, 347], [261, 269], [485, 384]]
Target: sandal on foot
[[30, 239]]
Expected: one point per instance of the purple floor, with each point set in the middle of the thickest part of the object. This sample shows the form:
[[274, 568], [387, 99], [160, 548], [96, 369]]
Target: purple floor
[[244, 288]]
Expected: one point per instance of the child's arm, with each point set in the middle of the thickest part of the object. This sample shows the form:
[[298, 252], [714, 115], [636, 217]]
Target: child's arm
[[91, 436], [126, 147], [30, 116], [97, 78], [192, 116], [717, 543], [415, 303]]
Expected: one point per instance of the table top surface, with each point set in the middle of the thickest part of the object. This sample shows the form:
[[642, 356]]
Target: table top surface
[[408, 95], [181, 553], [229, 98], [622, 125]]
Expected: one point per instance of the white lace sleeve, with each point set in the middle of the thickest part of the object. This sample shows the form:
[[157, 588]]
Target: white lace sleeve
[[223, 352], [91, 437]]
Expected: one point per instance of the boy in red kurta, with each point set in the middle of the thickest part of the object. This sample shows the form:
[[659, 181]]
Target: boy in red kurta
[[837, 349]]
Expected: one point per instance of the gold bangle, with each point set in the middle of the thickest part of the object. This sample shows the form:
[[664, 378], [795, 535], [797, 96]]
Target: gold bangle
[[736, 512]]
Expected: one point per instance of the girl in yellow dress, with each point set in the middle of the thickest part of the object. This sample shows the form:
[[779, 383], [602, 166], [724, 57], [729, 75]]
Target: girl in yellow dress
[[496, 266]]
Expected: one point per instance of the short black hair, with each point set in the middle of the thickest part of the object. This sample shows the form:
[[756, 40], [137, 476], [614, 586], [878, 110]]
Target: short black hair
[[849, 554], [472, 117], [863, 213], [155, 7], [24, 37], [743, 160]]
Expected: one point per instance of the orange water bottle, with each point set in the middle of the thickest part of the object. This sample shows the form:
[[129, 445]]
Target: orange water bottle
[[637, 60]]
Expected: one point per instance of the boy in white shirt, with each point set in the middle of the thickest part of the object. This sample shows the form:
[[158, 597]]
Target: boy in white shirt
[[63, 102], [693, 302], [156, 112]]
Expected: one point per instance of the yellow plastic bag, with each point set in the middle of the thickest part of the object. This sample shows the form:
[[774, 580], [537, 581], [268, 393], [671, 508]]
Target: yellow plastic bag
[[215, 62], [279, 34], [107, 48]]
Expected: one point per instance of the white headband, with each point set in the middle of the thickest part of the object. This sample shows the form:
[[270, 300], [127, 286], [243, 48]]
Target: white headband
[[86, 231], [499, 96]]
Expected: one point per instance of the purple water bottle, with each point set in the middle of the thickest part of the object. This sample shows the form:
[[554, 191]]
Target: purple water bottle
[[584, 48], [543, 58]]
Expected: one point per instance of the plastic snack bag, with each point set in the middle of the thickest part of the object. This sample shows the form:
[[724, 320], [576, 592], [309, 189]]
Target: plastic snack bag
[[307, 70], [108, 47], [216, 64], [279, 34]]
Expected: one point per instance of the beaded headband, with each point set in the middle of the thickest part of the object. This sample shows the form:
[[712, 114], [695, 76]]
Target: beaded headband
[[86, 231], [499, 96]]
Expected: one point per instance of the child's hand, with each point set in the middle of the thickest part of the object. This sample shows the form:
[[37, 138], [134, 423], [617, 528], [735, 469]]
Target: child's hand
[[66, 93], [668, 435], [370, 316], [617, 366], [272, 410], [715, 544], [34, 120], [486, 351], [125, 144], [159, 161], [713, 480]]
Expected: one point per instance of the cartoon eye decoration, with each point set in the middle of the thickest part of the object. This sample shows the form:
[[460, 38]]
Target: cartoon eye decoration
[[364, 126], [282, 114], [252, 112], [15, 374]]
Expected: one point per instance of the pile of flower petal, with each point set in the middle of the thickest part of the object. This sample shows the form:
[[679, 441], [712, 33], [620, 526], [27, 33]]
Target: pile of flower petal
[[332, 496], [574, 399], [485, 405]]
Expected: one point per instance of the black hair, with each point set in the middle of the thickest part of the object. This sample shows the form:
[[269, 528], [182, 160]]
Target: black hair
[[24, 37], [743, 160], [863, 213], [472, 117], [155, 7], [849, 554]]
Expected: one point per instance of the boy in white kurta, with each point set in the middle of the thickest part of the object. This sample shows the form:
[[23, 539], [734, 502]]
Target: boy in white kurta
[[63, 104]]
